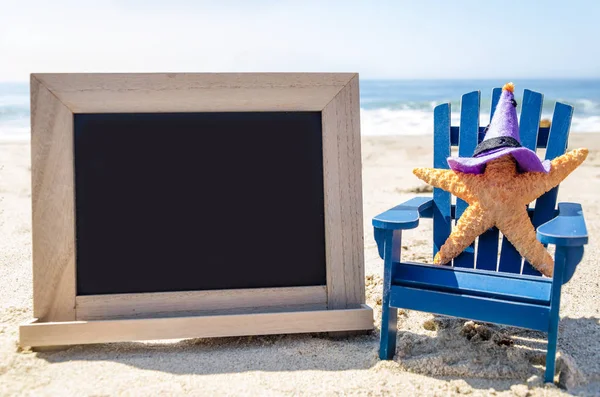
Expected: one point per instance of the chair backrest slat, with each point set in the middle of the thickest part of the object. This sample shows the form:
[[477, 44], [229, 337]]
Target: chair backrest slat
[[531, 110], [487, 244], [558, 139], [469, 134], [496, 92], [441, 151], [529, 126], [467, 141]]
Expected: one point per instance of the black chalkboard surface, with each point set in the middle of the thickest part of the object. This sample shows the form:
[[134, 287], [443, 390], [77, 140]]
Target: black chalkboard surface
[[198, 201]]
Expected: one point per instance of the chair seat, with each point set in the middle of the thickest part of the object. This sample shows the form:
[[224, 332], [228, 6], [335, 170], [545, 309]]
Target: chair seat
[[488, 284]]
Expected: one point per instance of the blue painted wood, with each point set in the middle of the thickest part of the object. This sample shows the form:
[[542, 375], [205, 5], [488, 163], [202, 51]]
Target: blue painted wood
[[475, 308], [379, 236], [531, 110], [405, 215], [396, 246], [528, 269], [469, 127], [557, 146], [559, 264], [476, 283], [389, 314], [567, 229], [529, 123], [427, 213], [573, 258], [487, 243], [543, 134], [541, 143], [478, 271], [442, 218], [510, 261]]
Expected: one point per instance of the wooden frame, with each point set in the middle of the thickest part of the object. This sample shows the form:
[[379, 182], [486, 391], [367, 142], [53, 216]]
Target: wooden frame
[[60, 314]]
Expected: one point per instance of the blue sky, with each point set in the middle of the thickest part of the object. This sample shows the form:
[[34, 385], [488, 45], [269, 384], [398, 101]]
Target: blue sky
[[378, 39]]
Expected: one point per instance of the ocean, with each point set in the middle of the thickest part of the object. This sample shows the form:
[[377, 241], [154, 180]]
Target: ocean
[[388, 107]]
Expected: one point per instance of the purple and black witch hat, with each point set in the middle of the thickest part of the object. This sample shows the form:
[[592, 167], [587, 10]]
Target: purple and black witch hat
[[501, 138]]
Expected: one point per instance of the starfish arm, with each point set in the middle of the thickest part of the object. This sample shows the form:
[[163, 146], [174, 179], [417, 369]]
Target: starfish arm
[[517, 228], [473, 222], [537, 183], [448, 180]]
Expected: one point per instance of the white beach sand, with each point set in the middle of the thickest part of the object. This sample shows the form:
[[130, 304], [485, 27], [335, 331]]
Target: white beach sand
[[434, 358]]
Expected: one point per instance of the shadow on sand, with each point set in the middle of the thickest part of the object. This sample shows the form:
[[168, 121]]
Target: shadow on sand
[[456, 350]]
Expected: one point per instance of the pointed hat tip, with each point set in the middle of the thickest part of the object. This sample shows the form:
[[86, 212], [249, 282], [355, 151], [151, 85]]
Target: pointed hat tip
[[509, 87]]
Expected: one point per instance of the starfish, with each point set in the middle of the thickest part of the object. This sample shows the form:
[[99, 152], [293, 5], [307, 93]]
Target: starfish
[[499, 197]]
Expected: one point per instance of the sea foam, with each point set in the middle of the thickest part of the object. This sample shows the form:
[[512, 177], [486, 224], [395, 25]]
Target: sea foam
[[387, 107], [376, 122]]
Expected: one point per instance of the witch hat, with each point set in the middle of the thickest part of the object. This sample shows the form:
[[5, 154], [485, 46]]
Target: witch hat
[[501, 139]]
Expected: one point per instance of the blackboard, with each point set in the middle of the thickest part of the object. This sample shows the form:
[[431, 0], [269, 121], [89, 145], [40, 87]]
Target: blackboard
[[171, 205], [198, 201]]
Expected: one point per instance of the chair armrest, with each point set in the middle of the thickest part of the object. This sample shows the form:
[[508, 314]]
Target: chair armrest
[[404, 216], [566, 229]]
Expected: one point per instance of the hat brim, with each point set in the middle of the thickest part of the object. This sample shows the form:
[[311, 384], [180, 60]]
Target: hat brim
[[527, 161]]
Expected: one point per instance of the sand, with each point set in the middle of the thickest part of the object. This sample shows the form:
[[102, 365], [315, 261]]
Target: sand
[[436, 356]]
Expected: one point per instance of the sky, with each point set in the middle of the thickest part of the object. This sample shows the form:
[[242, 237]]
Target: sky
[[394, 39]]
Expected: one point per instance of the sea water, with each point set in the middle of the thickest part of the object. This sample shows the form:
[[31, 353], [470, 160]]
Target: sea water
[[406, 107], [389, 107]]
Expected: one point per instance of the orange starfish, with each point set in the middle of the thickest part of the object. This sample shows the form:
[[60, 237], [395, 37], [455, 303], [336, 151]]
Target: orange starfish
[[499, 197]]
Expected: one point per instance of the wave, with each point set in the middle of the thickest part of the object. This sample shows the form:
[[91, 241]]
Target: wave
[[375, 122], [586, 107], [408, 118], [13, 112], [11, 133]]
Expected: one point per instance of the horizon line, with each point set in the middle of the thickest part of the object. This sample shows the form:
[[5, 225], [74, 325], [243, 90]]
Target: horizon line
[[361, 78]]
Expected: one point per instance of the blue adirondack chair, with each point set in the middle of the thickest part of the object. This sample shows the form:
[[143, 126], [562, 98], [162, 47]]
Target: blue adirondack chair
[[505, 290]]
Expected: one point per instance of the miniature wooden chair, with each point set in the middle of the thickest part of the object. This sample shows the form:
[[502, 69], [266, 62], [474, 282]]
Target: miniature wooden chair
[[484, 287]]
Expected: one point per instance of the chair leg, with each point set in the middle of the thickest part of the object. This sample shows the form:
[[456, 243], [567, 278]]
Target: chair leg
[[387, 345], [389, 315], [551, 353]]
